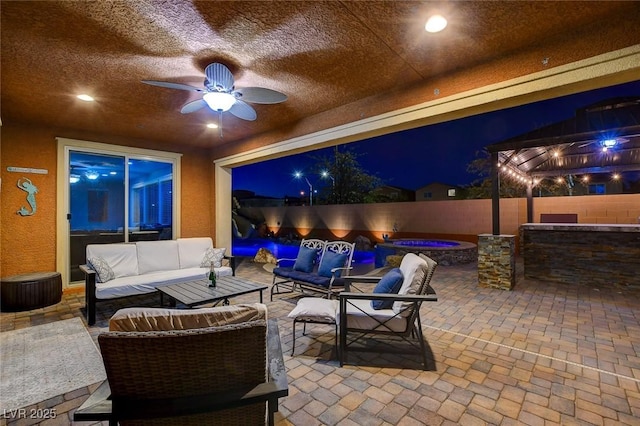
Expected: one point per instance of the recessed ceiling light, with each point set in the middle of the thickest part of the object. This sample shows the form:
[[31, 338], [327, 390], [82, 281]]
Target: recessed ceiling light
[[85, 97], [435, 24], [212, 125]]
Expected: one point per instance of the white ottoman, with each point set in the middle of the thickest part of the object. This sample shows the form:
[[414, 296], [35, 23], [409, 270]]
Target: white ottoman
[[314, 310]]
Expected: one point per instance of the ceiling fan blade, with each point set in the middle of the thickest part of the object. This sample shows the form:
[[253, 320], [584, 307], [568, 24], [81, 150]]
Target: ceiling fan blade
[[170, 85], [243, 110], [219, 77], [260, 95], [193, 106]]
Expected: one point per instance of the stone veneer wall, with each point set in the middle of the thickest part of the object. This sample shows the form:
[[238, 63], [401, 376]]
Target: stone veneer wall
[[582, 254], [497, 261]]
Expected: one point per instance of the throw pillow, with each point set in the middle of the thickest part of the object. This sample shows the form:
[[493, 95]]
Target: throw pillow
[[305, 260], [103, 270], [390, 283], [214, 255], [329, 261]]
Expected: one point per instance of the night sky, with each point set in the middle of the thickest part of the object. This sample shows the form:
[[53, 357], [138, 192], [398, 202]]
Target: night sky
[[414, 158]]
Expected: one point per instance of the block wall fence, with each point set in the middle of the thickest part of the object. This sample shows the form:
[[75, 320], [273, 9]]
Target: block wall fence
[[456, 219]]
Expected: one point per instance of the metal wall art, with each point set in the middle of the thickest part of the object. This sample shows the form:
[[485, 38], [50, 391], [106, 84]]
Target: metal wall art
[[31, 190]]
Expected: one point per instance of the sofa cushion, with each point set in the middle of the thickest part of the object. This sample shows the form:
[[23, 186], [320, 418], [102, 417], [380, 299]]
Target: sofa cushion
[[331, 260], [148, 283], [213, 255], [306, 259], [160, 319], [122, 258], [103, 270], [157, 256], [389, 284], [191, 251]]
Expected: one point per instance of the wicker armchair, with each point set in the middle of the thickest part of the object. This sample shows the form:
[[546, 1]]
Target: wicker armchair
[[217, 375]]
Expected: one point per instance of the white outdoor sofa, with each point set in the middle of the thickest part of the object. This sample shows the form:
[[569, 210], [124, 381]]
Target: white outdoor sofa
[[128, 269]]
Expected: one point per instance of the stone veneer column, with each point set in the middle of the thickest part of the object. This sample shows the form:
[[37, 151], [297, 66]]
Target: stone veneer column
[[497, 261]]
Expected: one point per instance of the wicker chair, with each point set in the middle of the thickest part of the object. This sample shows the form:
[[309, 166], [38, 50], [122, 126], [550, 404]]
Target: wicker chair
[[397, 329], [219, 375]]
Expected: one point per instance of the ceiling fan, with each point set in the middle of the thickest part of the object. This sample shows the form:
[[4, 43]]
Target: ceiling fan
[[220, 94]]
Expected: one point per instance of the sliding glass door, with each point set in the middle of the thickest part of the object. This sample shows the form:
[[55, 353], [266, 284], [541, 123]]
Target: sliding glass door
[[117, 198], [150, 200]]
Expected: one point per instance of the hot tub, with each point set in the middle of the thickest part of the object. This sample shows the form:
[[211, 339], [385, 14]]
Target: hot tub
[[445, 252]]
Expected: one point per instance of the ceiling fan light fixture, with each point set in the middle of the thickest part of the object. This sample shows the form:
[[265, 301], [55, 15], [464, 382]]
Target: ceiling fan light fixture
[[219, 101], [85, 97], [91, 175], [435, 24]]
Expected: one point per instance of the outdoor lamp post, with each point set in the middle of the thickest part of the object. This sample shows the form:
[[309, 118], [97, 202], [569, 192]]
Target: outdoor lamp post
[[298, 175], [325, 174]]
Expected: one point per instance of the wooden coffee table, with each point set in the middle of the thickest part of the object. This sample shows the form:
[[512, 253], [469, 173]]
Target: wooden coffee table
[[198, 292]]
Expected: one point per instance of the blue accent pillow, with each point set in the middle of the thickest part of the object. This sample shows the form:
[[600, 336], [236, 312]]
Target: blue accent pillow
[[390, 283], [331, 260], [305, 260]]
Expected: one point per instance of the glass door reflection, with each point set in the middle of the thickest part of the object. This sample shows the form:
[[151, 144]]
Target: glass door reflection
[[97, 200]]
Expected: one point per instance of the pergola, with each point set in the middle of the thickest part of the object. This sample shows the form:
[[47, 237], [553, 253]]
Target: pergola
[[601, 137]]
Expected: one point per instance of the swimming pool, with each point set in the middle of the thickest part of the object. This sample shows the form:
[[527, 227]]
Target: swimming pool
[[249, 247]]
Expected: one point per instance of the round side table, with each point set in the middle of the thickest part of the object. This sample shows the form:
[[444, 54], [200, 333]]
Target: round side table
[[30, 291]]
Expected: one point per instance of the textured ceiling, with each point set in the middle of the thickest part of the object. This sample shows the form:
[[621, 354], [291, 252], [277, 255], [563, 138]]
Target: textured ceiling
[[332, 58]]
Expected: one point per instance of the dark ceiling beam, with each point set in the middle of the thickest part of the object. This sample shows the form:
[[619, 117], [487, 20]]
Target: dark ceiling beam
[[586, 170]]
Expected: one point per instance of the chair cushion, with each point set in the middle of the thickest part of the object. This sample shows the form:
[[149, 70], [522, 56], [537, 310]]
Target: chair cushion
[[329, 261], [315, 307], [415, 287], [160, 319], [306, 259], [213, 255], [284, 272], [390, 284], [360, 315], [310, 278]]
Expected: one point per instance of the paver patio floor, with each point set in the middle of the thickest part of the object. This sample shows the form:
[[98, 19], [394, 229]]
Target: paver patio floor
[[544, 353]]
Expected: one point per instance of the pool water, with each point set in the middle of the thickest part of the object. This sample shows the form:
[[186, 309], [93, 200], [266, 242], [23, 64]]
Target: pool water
[[250, 246], [426, 243]]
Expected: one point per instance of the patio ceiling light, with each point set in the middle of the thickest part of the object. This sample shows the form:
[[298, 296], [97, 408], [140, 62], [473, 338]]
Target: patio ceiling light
[[435, 24]]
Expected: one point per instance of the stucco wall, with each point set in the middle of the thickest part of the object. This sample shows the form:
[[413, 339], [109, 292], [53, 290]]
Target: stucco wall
[[28, 244], [456, 219]]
